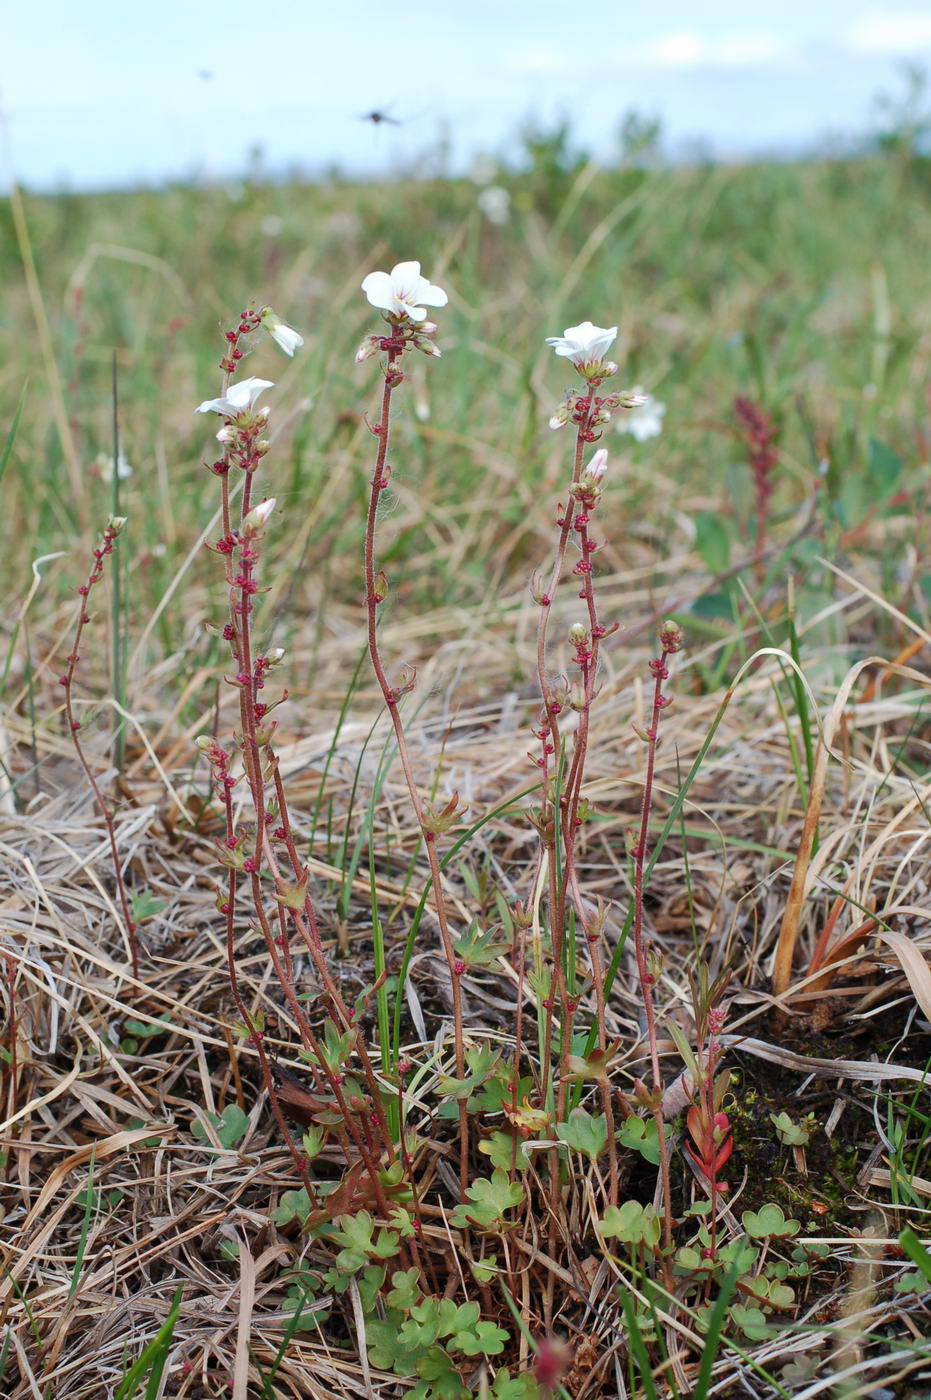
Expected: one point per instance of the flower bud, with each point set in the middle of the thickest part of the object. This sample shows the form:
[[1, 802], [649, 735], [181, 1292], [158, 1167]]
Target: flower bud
[[275, 656], [597, 466], [670, 636], [577, 699], [282, 334], [561, 417], [204, 743], [538, 589], [258, 518], [578, 634], [369, 347], [226, 434], [115, 524]]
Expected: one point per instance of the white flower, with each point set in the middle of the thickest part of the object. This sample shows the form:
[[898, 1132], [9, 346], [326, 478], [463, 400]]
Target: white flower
[[495, 203], [271, 225], [597, 466], [281, 334], [104, 467], [584, 345], [645, 419], [402, 290], [239, 398]]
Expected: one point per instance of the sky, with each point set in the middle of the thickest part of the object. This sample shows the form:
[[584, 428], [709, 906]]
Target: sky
[[101, 93]]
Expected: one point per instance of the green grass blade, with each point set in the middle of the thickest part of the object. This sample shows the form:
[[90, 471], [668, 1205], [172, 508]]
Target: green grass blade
[[916, 1252], [85, 1227], [7, 447], [713, 1335], [153, 1358]]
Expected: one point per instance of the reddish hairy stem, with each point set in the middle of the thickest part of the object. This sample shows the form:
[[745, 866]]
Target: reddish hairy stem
[[379, 480], [67, 681], [646, 977]]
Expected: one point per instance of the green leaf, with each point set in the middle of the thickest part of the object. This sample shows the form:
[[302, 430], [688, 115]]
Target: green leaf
[[883, 468], [508, 1387], [584, 1133], [641, 1135], [405, 1289], [230, 1126], [144, 1029], [145, 906], [769, 1222], [506, 1150], [368, 1285], [294, 1205], [633, 1223], [792, 1134], [489, 1200], [751, 1322], [481, 1062], [713, 541], [479, 949], [484, 1339]]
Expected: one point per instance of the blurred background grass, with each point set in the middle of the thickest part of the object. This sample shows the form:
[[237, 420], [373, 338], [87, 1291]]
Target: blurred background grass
[[803, 285]]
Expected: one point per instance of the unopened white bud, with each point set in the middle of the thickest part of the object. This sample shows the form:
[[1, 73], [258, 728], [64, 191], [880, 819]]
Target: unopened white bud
[[578, 634], [226, 434], [282, 334], [367, 349], [115, 524], [258, 517], [597, 466]]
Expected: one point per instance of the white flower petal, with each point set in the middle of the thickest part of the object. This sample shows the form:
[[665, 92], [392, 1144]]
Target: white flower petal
[[432, 296], [403, 291], [285, 336], [377, 287], [405, 275], [585, 344], [239, 398]]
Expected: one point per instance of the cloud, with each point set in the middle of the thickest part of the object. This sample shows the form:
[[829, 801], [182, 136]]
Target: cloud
[[687, 49], [682, 50], [898, 32]]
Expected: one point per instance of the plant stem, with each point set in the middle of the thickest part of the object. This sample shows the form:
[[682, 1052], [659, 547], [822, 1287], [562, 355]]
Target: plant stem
[[647, 978], [74, 726], [372, 599]]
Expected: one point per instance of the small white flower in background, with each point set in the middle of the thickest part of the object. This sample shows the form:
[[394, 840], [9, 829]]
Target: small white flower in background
[[585, 345], [103, 466], [271, 225], [281, 333], [239, 398], [597, 466], [403, 292], [483, 171], [495, 203], [645, 419]]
